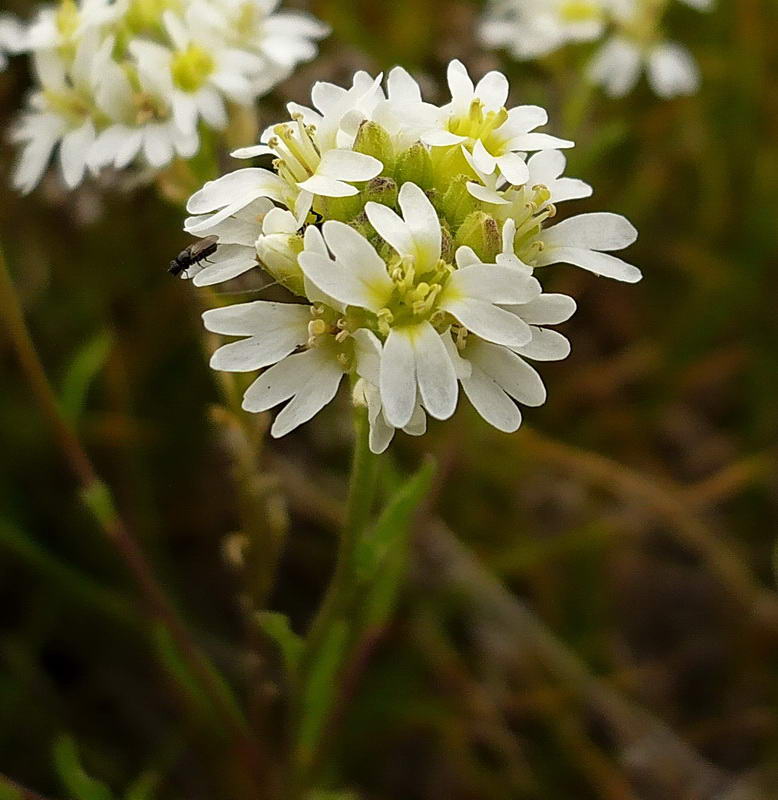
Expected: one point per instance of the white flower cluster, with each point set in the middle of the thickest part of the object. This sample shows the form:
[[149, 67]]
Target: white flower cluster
[[412, 235], [122, 81], [533, 28]]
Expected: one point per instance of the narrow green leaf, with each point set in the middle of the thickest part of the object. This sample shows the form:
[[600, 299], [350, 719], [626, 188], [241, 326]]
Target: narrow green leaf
[[393, 526], [81, 372], [383, 555], [319, 691], [276, 626], [77, 783]]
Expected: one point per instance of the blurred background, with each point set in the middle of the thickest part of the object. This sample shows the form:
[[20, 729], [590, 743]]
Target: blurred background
[[591, 610]]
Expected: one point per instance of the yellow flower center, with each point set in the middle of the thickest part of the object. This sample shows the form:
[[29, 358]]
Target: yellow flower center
[[191, 68]]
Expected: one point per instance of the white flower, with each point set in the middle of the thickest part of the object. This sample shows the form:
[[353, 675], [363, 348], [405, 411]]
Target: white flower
[[416, 260], [671, 70], [413, 358], [533, 28], [477, 118], [163, 70], [308, 380], [59, 114]]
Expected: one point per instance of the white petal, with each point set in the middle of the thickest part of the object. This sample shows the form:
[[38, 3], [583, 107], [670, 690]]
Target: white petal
[[490, 322], [482, 160], [546, 345], [391, 228], [422, 220], [523, 119], [398, 377], [569, 189], [497, 284], [280, 382], [367, 349], [548, 309], [602, 264], [599, 231], [320, 389], [403, 88], [459, 83], [346, 165], [73, 152], [672, 71], [254, 353], [364, 289], [514, 168], [440, 138], [434, 372], [509, 371], [539, 141], [157, 146], [486, 195], [250, 182], [260, 317], [327, 187], [229, 261], [356, 254], [491, 402], [492, 89], [546, 166], [253, 151]]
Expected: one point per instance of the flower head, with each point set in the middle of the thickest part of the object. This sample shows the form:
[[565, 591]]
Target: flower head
[[413, 257], [533, 28], [133, 80]]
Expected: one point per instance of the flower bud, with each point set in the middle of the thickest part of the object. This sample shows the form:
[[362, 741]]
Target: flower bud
[[457, 202], [278, 253], [380, 190], [414, 165], [481, 232], [373, 140]]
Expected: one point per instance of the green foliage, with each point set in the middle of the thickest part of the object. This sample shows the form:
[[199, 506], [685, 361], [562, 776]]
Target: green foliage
[[81, 373], [276, 626], [78, 784]]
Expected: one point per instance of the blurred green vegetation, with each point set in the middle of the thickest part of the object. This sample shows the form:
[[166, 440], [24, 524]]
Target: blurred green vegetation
[[608, 626]]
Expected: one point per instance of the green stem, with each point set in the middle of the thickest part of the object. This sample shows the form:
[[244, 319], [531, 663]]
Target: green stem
[[361, 494], [328, 637]]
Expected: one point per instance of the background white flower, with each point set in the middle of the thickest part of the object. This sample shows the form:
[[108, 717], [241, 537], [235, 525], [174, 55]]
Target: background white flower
[[162, 72], [530, 29]]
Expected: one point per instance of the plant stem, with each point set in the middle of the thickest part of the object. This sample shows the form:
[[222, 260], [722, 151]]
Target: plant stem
[[361, 494], [97, 497], [330, 622]]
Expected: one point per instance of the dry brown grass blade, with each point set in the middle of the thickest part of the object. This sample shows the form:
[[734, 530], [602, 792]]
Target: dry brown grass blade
[[648, 749], [672, 505]]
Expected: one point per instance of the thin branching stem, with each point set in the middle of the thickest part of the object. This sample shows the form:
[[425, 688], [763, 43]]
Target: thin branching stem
[[98, 499]]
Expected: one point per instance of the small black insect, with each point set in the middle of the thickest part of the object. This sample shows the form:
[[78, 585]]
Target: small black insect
[[190, 256]]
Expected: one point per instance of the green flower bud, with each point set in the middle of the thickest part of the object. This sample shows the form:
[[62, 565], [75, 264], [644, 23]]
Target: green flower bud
[[343, 209], [278, 253], [457, 202], [481, 232], [373, 140], [414, 165], [380, 190]]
